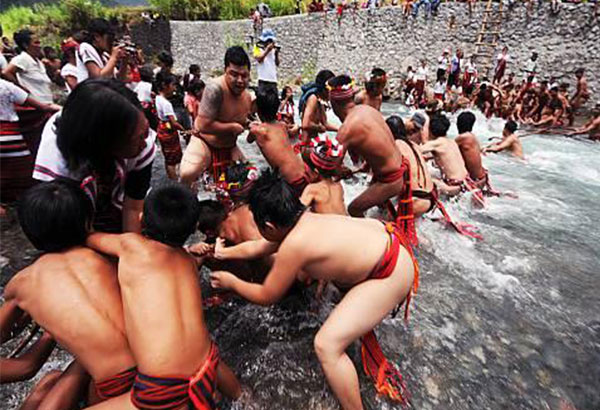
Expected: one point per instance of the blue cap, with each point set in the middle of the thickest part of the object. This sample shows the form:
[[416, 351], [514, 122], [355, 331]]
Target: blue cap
[[267, 35]]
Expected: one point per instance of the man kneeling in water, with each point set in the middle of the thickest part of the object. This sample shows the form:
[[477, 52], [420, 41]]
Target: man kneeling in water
[[423, 190], [510, 141], [179, 365], [71, 291], [377, 279]]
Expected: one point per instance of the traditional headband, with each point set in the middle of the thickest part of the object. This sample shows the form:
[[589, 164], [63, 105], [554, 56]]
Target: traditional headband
[[326, 153], [342, 92]]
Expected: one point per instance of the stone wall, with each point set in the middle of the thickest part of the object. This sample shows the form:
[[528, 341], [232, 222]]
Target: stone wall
[[153, 37], [388, 40]]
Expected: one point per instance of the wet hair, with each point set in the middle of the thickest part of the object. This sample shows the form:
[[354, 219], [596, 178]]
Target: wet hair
[[267, 104], [171, 213], [212, 214], [55, 215], [465, 122], [511, 126], [146, 73], [164, 79], [273, 200], [97, 118], [165, 58], [322, 77], [22, 39], [439, 125], [196, 86], [236, 55], [397, 127], [100, 27]]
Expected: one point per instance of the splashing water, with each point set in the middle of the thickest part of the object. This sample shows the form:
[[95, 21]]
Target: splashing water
[[508, 322]]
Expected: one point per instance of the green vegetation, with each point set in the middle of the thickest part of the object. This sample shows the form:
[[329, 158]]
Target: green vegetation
[[56, 21]]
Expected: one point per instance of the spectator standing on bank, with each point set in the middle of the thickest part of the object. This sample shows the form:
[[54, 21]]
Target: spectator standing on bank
[[266, 53]]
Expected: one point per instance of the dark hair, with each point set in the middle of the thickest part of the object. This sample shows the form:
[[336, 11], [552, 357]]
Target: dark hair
[[49, 52], [283, 90], [237, 56], [164, 79], [212, 214], [511, 126], [22, 39], [98, 117], [377, 72], [465, 122], [171, 213], [439, 125], [397, 127], [146, 73], [165, 58], [272, 200], [98, 26], [340, 80], [322, 77], [55, 215], [580, 70], [267, 104], [194, 67], [196, 86]]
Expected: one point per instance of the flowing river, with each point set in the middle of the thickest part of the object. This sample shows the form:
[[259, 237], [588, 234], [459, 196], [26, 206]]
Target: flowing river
[[510, 322]]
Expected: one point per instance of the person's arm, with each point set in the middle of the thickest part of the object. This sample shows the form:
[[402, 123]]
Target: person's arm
[[132, 211], [308, 196], [27, 365], [137, 185], [108, 70], [429, 146], [208, 111], [586, 128], [71, 81], [68, 390], [10, 315], [280, 278], [425, 130], [246, 250], [41, 106], [499, 146], [307, 122], [107, 243], [261, 56], [10, 74], [332, 127], [277, 61], [175, 124]]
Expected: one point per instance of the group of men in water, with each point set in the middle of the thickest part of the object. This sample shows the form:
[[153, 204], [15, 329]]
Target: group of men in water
[[137, 329]]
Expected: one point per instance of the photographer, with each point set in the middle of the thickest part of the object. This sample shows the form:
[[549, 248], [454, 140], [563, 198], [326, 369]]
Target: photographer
[[96, 57], [266, 54]]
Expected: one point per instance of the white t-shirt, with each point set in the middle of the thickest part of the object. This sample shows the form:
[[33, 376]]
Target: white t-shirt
[[164, 108], [267, 70], [439, 87], [10, 95], [31, 74], [50, 164], [68, 70], [421, 74], [87, 53], [143, 90], [444, 62]]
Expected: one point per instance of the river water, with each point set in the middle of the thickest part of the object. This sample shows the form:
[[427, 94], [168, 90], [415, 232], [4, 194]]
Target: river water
[[510, 322]]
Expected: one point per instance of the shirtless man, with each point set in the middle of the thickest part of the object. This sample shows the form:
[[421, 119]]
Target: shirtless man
[[272, 138], [421, 184], [178, 363], [71, 291], [510, 141], [447, 157], [313, 112], [582, 94], [373, 93], [469, 148], [331, 256], [553, 112], [365, 134], [222, 116], [592, 127], [327, 195]]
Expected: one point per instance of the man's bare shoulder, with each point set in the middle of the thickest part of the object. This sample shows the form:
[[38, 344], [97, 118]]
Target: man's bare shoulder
[[212, 98]]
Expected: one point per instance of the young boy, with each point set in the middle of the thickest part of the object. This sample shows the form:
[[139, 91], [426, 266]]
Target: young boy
[[327, 195], [377, 279], [272, 138], [71, 291], [163, 308], [510, 141], [372, 95], [168, 126]]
